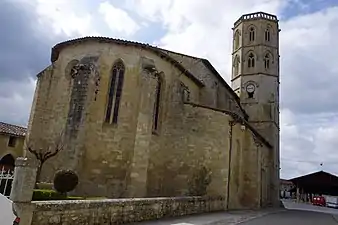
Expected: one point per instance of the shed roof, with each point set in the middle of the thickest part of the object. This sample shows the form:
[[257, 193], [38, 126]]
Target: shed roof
[[319, 182], [321, 177]]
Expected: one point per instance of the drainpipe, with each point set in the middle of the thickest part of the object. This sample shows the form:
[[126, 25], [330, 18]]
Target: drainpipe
[[231, 124]]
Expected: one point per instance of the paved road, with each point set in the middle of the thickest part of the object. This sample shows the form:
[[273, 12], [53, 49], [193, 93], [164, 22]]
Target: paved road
[[309, 207], [294, 214], [299, 214], [291, 217]]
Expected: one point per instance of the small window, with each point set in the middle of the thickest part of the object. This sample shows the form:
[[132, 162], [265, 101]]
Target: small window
[[267, 34], [236, 65], [157, 103], [185, 93], [267, 61], [11, 141], [236, 40], [251, 60], [251, 34]]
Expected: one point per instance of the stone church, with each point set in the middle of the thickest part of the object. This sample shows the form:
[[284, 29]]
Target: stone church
[[141, 121]]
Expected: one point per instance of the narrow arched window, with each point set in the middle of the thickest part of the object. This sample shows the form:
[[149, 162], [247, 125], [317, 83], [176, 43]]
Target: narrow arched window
[[236, 44], [158, 93], [236, 65], [251, 34], [115, 91], [267, 34], [185, 92], [267, 61], [251, 60]]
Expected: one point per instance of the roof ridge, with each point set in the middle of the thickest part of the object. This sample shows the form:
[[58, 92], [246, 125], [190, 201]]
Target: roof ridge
[[161, 52]]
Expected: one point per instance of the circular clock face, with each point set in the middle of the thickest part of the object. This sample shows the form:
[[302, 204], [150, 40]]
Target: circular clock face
[[250, 88]]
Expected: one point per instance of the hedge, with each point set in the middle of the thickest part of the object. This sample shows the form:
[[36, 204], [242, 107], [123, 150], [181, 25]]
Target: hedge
[[43, 194]]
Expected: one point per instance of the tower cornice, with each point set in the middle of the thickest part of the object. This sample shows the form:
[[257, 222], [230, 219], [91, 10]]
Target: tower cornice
[[256, 16]]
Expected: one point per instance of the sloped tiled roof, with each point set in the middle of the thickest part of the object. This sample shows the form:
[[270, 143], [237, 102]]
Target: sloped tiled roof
[[57, 48], [6, 128]]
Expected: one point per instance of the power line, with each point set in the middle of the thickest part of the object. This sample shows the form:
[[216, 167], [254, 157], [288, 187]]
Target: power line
[[308, 161]]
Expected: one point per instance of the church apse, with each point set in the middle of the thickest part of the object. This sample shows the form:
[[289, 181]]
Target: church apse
[[133, 117]]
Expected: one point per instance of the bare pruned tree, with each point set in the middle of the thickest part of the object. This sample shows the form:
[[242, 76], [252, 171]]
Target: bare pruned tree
[[45, 152]]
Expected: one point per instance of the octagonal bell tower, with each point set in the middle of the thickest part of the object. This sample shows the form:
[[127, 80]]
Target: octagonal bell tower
[[255, 79]]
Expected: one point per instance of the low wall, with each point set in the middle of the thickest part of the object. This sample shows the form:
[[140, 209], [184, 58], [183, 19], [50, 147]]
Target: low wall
[[118, 211]]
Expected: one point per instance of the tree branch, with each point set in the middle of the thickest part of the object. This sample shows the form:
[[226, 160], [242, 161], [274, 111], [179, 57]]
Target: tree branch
[[34, 152]]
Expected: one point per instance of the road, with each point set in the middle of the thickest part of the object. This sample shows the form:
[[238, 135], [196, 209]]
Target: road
[[296, 217], [299, 214], [294, 214]]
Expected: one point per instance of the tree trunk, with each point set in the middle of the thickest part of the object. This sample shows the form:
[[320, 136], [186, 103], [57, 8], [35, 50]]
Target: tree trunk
[[38, 172]]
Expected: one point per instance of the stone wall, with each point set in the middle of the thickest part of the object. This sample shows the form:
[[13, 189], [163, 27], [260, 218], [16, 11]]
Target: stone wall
[[250, 181], [103, 154], [15, 151], [216, 93], [193, 139], [120, 211]]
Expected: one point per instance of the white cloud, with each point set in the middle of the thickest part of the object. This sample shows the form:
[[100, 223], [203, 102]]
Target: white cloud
[[63, 16], [118, 20], [200, 28]]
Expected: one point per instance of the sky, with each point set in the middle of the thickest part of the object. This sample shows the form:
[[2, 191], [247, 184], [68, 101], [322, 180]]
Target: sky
[[309, 59]]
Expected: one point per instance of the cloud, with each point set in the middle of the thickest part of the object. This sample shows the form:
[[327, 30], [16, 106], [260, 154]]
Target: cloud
[[308, 61], [24, 51], [118, 20], [21, 50], [309, 111], [70, 18], [15, 104]]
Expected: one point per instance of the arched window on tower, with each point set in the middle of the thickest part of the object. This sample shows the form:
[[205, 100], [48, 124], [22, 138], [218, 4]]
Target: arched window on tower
[[157, 104], [267, 34], [236, 41], [267, 61], [251, 60], [115, 91], [251, 34], [236, 65]]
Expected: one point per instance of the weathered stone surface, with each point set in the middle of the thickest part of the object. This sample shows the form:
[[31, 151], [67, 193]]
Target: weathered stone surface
[[24, 180], [120, 211], [256, 37], [129, 158], [16, 150]]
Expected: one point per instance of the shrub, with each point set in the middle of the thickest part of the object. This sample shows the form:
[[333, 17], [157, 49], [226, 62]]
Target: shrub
[[42, 195], [45, 195], [65, 181]]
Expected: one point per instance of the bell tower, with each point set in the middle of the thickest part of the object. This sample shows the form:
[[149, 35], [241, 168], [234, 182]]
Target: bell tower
[[255, 79]]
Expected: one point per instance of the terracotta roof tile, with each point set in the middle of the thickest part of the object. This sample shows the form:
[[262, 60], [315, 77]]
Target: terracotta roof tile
[[6, 128]]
